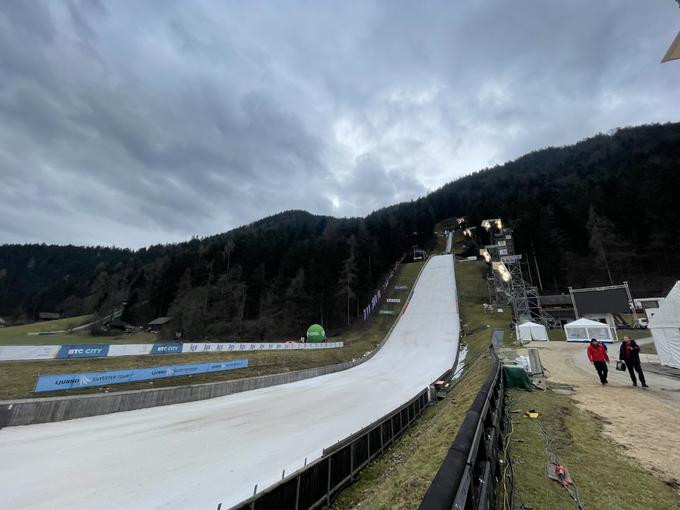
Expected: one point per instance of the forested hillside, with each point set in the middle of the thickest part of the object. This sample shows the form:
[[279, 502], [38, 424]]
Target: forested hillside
[[605, 207]]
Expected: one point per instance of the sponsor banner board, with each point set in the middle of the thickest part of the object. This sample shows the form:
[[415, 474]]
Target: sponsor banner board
[[83, 351], [166, 349], [401, 287], [511, 259], [25, 352], [47, 352], [91, 379], [130, 350], [255, 346], [393, 300], [386, 312]]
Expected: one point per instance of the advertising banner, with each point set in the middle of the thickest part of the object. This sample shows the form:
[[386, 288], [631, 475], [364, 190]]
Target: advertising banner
[[48, 352], [130, 349], [83, 351], [166, 349], [393, 300], [255, 346], [401, 287], [90, 379], [25, 352], [386, 312]]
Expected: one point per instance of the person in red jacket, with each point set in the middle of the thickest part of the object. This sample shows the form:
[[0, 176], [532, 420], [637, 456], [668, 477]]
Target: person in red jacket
[[597, 354]]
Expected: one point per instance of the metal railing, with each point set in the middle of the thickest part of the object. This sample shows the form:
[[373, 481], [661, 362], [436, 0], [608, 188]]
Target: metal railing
[[468, 479], [315, 485]]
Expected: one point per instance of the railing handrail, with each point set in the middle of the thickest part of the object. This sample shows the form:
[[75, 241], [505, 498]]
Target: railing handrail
[[453, 482]]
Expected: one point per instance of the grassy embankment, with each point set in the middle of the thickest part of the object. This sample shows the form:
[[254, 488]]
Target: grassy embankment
[[17, 379], [18, 335], [400, 478], [605, 477]]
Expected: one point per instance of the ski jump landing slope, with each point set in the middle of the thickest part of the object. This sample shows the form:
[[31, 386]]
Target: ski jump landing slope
[[198, 454]]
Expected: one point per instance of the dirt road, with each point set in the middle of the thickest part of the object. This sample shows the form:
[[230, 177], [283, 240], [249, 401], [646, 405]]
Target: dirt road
[[644, 421]]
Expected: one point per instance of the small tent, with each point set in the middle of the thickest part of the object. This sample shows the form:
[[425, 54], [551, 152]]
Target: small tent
[[528, 331], [583, 330], [665, 328]]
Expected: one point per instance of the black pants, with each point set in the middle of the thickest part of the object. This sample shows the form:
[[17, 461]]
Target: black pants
[[601, 367], [633, 366]]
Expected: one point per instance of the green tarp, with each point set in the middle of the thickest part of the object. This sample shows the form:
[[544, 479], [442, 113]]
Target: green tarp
[[516, 377]]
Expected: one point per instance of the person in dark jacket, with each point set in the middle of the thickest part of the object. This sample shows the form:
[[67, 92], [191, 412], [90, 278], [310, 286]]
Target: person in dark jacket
[[630, 355], [597, 354]]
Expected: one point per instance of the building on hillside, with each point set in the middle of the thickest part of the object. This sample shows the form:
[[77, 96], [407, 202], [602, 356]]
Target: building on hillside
[[117, 325], [559, 307], [157, 324], [49, 316]]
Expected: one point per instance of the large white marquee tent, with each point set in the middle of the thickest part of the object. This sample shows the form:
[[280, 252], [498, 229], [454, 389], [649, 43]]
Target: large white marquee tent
[[528, 331], [583, 330], [665, 328]]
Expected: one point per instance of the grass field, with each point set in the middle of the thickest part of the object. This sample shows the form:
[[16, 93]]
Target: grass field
[[649, 348], [605, 477], [400, 478], [18, 335], [17, 379]]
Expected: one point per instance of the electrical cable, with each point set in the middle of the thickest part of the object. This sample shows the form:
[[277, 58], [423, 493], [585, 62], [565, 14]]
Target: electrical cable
[[508, 496], [555, 459]]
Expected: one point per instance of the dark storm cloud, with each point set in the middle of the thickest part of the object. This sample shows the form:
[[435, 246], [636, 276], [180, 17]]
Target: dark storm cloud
[[129, 123]]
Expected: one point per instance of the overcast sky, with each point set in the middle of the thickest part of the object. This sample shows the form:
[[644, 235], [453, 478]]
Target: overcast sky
[[138, 122]]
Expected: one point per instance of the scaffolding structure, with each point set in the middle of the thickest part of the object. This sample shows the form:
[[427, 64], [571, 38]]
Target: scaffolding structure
[[506, 283]]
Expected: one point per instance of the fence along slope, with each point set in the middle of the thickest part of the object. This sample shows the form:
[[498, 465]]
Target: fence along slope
[[205, 452]]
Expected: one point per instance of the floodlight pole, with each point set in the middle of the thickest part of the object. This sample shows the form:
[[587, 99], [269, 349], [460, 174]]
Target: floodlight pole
[[630, 297], [573, 302], [538, 272]]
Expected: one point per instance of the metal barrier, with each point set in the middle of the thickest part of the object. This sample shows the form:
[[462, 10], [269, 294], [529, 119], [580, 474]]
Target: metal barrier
[[468, 479], [315, 485]]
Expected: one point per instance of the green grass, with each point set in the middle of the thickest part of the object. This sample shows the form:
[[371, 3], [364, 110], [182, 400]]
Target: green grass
[[605, 477], [17, 379], [18, 335], [400, 478], [649, 348], [472, 294]]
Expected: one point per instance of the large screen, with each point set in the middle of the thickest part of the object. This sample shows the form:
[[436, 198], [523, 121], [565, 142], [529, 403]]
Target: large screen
[[592, 301]]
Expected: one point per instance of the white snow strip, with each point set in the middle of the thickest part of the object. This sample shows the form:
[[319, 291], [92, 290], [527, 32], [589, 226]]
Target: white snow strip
[[198, 454]]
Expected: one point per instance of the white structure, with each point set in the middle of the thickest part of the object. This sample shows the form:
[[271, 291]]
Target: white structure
[[583, 330], [665, 328], [531, 331], [604, 318], [649, 305]]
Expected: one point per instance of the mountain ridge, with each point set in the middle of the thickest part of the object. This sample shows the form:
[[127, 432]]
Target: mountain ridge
[[608, 198]]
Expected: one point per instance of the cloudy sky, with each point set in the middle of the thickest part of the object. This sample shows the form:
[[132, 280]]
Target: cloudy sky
[[138, 122]]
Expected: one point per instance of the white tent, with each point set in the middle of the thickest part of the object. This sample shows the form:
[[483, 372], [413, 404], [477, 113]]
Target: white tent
[[665, 328], [583, 330], [528, 331]]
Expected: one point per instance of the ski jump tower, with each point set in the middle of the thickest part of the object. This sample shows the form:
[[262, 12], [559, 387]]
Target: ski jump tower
[[507, 283]]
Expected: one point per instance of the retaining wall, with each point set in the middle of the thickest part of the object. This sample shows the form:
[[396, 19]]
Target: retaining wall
[[43, 410]]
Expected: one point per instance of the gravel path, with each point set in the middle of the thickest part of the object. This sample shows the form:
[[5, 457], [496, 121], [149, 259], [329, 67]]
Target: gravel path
[[644, 421]]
